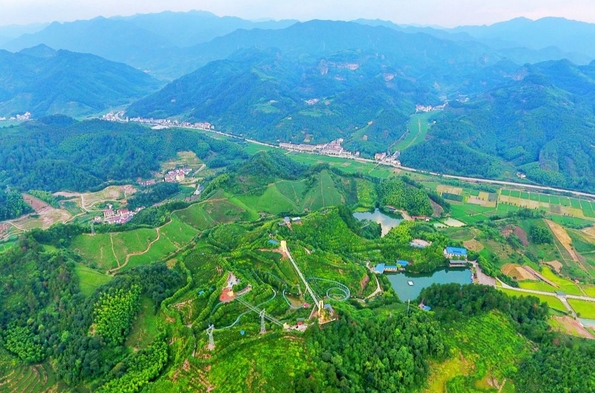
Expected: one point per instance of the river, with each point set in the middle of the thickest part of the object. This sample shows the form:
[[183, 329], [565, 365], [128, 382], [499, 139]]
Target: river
[[385, 221], [405, 291]]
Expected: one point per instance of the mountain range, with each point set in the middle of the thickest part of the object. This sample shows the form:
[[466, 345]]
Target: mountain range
[[43, 81], [517, 100], [169, 45]]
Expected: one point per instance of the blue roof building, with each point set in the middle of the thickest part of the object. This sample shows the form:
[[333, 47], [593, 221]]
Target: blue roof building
[[379, 268], [273, 242], [403, 263], [455, 252]]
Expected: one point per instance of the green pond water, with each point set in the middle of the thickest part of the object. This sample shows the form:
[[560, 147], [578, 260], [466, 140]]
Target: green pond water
[[385, 221], [406, 292]]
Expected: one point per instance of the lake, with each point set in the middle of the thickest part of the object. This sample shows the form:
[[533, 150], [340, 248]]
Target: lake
[[421, 281], [385, 221]]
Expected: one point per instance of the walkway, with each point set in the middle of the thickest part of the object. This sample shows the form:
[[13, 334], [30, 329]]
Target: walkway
[[297, 269]]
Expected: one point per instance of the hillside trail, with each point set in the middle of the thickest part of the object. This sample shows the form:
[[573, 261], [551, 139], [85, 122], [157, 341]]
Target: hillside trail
[[111, 239], [113, 271]]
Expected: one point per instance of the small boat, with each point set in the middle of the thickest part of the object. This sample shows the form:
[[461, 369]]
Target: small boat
[[410, 283]]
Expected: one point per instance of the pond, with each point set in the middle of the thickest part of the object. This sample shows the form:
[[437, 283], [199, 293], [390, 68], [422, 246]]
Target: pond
[[385, 221], [405, 291]]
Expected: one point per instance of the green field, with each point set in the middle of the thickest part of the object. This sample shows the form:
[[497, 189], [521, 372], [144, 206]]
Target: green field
[[470, 214], [551, 301], [108, 250], [417, 128], [196, 216], [90, 279], [584, 308]]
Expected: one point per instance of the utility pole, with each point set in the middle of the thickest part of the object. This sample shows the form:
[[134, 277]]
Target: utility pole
[[211, 345]]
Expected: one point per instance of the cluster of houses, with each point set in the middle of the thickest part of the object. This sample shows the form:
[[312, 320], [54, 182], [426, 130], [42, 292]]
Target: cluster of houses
[[289, 221], [429, 108], [117, 217], [156, 123], [177, 175], [457, 257], [333, 148], [173, 176], [390, 159], [24, 117]]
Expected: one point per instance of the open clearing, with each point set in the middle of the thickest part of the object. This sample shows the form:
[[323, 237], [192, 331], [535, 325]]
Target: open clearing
[[517, 272], [570, 326]]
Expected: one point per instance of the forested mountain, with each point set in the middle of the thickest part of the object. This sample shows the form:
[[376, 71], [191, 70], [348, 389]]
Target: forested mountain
[[358, 80], [541, 122], [58, 153], [194, 27], [569, 36], [150, 42], [43, 81]]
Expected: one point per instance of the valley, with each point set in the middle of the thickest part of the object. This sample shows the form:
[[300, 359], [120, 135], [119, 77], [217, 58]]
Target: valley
[[196, 203]]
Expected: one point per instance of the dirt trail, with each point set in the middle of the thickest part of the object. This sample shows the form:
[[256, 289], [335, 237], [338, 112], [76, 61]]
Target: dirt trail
[[566, 242], [111, 239], [114, 270]]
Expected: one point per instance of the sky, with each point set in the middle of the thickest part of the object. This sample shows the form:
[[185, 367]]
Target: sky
[[447, 13]]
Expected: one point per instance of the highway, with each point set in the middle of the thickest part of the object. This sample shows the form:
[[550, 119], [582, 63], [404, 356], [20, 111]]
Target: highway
[[415, 170], [409, 169]]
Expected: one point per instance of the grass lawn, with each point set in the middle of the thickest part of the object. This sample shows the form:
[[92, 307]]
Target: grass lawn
[[90, 279], [584, 308], [471, 214], [417, 128]]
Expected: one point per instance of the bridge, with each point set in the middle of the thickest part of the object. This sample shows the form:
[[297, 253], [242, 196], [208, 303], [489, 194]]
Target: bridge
[[259, 311]]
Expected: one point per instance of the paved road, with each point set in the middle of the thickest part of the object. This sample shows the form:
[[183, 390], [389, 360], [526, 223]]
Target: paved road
[[297, 269]]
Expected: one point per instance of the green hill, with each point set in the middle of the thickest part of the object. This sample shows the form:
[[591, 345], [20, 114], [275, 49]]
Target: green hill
[[43, 81], [541, 123]]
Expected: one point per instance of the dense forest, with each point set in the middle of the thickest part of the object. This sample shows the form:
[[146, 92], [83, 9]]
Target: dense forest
[[59, 153], [541, 125], [12, 205]]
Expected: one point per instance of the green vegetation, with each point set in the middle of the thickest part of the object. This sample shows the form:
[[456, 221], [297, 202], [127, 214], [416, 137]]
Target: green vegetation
[[113, 314], [401, 195], [82, 156], [583, 308], [154, 194], [12, 205]]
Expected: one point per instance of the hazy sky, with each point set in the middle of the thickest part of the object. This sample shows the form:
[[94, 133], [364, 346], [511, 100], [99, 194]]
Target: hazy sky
[[428, 12]]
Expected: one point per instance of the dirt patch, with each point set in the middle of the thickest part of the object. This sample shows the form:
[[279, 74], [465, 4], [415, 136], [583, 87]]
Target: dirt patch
[[563, 238], [507, 230], [517, 272], [437, 209], [573, 327], [364, 282], [37, 204], [589, 232], [556, 265], [522, 235], [473, 245]]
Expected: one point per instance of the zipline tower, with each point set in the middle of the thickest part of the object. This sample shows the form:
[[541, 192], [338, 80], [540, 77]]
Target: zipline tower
[[263, 329], [211, 345]]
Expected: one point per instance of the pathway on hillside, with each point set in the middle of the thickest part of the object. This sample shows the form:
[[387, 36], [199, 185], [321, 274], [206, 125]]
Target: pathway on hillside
[[114, 270], [299, 272], [378, 290]]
